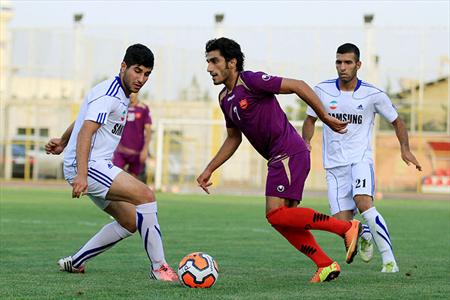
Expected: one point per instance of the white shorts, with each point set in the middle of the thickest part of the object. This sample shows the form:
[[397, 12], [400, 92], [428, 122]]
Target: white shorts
[[100, 177], [346, 182]]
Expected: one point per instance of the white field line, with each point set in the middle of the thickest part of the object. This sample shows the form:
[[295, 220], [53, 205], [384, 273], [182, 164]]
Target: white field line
[[46, 222]]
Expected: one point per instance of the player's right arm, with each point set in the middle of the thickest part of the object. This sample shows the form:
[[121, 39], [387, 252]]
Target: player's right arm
[[56, 145], [229, 146], [308, 130], [304, 92], [84, 141]]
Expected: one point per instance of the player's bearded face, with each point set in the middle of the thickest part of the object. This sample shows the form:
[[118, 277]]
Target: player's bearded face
[[134, 77], [218, 67], [223, 74]]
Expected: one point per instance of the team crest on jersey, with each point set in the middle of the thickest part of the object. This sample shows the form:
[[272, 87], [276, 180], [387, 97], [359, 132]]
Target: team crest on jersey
[[243, 103], [138, 115], [131, 116], [266, 77], [124, 113], [333, 104]]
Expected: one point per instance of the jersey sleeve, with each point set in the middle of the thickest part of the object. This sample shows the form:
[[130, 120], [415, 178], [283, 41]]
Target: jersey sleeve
[[309, 110], [228, 122], [260, 82], [384, 107], [99, 109]]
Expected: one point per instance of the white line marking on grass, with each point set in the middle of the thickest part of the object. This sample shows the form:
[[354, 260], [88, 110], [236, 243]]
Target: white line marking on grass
[[83, 223]]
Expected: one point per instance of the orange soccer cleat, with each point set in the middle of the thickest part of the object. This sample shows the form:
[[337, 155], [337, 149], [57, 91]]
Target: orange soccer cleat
[[164, 273], [351, 238]]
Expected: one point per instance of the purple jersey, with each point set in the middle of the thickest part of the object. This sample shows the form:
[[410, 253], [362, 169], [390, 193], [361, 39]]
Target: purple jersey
[[253, 109], [133, 135]]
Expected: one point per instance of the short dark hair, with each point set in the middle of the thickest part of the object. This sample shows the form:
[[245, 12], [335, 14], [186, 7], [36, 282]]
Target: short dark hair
[[348, 48], [139, 54], [229, 49]]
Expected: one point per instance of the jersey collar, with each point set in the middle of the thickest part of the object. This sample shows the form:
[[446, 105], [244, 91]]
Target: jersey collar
[[120, 84], [358, 84]]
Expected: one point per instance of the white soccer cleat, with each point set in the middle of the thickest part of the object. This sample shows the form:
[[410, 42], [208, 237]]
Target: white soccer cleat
[[390, 267], [65, 265], [164, 273], [365, 250]]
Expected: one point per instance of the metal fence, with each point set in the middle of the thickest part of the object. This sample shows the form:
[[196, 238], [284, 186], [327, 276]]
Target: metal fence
[[49, 70]]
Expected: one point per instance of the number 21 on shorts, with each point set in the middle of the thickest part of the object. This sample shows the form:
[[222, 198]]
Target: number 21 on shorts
[[360, 183]]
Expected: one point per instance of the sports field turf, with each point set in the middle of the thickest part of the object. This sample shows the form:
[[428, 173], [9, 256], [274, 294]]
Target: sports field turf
[[39, 226]]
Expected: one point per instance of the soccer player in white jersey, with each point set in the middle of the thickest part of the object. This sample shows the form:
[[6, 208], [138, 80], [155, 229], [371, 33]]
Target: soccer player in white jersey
[[347, 158], [91, 141]]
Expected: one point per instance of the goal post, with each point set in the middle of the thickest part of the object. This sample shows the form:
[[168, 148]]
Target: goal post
[[185, 146]]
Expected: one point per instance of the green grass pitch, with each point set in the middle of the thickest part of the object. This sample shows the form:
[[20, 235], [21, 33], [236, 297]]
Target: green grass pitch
[[38, 226]]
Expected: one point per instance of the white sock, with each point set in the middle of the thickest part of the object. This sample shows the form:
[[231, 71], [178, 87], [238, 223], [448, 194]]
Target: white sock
[[107, 237], [147, 224], [365, 233], [380, 234]]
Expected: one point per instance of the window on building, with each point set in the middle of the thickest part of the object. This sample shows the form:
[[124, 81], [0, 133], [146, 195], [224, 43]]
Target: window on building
[[42, 132]]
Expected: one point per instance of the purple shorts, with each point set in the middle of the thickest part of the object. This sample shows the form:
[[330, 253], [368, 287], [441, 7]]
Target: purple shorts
[[286, 176], [121, 160]]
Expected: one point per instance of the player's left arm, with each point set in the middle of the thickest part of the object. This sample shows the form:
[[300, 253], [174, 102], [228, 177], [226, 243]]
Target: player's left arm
[[56, 145], [383, 105], [402, 136], [306, 93]]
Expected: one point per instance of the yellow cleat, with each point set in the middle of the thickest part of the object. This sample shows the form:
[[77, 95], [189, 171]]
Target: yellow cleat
[[390, 267], [365, 250], [326, 273]]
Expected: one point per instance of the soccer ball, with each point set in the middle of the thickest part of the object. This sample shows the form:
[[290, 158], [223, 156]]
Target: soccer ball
[[198, 270]]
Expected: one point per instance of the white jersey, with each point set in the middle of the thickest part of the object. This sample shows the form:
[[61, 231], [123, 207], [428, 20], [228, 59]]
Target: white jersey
[[107, 105], [358, 107]]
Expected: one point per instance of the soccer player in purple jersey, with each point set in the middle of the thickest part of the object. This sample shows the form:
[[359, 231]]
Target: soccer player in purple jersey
[[250, 107], [132, 150]]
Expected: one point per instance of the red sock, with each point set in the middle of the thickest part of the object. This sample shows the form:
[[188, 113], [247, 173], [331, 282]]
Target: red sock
[[304, 241], [306, 219]]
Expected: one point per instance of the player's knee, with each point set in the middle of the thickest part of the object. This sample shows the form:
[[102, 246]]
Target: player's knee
[[364, 205], [363, 208], [145, 195], [148, 195], [276, 217]]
